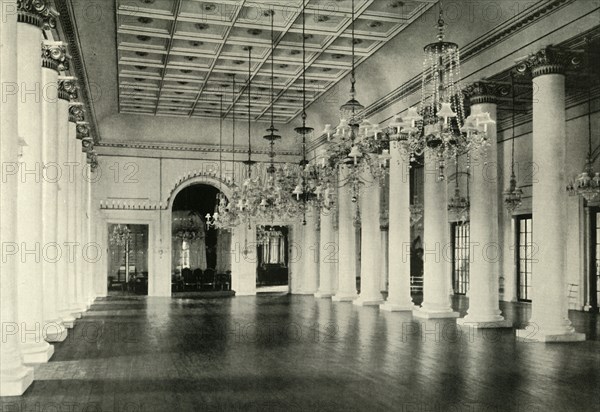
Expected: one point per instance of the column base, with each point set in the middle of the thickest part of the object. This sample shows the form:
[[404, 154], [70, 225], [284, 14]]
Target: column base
[[525, 335], [16, 382], [36, 353], [55, 331], [68, 320], [323, 295], [344, 297], [484, 324], [303, 293], [428, 314], [393, 307], [368, 301], [245, 293]]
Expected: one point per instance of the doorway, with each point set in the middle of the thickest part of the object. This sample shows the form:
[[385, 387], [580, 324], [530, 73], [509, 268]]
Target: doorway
[[593, 272], [201, 254], [272, 272], [128, 259]]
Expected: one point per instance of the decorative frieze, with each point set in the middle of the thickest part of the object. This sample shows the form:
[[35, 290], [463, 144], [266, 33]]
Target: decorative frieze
[[54, 56], [131, 205], [39, 13], [68, 88]]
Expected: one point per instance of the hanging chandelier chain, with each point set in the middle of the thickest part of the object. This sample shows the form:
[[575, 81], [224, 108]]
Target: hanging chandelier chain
[[514, 117], [249, 111], [221, 143], [588, 54], [353, 79], [233, 129]]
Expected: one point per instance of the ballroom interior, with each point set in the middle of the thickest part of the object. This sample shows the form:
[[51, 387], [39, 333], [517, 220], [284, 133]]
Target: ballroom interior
[[300, 204]]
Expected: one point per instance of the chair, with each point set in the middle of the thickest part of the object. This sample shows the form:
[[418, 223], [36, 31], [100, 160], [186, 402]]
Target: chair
[[189, 279], [208, 279], [198, 275], [223, 280]]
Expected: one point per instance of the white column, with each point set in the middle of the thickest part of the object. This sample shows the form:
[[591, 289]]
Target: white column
[[83, 231], [63, 203], [311, 252], [484, 310], [370, 251], [549, 320], [244, 260], [52, 52], [399, 298], [436, 292], [346, 291], [14, 377], [75, 305], [328, 254], [29, 196], [90, 250]]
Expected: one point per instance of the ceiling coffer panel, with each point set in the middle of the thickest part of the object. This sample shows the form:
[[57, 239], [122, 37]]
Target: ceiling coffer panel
[[177, 57]]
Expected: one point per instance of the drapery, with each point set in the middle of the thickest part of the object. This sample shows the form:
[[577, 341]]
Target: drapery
[[223, 251], [273, 249]]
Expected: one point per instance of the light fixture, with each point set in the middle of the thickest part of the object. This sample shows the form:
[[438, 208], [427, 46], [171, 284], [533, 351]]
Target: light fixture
[[214, 220], [513, 195], [587, 184], [459, 204], [438, 126], [355, 143]]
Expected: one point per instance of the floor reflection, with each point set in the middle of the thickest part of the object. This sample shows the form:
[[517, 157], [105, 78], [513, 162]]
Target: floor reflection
[[277, 352]]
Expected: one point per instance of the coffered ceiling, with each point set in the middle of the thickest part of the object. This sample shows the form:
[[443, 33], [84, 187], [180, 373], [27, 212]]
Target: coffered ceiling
[[176, 57]]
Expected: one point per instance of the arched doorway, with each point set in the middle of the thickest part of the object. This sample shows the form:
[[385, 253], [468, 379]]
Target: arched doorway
[[200, 256]]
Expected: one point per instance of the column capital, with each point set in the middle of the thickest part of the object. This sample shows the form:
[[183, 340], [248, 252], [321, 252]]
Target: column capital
[[549, 60], [92, 159], [87, 144], [83, 130], [54, 56], [76, 113], [484, 91], [38, 13], [68, 88]]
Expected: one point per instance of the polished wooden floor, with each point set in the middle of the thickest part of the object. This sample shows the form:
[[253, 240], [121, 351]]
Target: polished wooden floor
[[296, 353]]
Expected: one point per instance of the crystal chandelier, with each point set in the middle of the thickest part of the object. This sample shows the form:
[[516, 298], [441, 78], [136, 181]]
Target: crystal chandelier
[[187, 229], [220, 219], [459, 204], [587, 184], [513, 195], [120, 236], [439, 123], [355, 142], [313, 185]]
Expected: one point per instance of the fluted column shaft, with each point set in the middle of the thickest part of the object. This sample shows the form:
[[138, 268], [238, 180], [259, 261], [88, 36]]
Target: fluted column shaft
[[436, 293], [15, 378], [549, 309], [29, 196], [55, 330], [346, 290], [399, 298], [371, 256], [484, 296]]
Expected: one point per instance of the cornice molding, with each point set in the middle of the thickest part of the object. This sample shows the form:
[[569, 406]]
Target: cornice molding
[[205, 148], [550, 60], [485, 92]]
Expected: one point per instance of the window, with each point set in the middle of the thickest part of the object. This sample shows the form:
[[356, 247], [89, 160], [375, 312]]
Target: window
[[524, 256], [460, 257]]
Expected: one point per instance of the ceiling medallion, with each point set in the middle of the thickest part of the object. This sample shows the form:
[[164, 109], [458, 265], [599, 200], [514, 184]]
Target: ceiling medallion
[[185, 71], [182, 83], [294, 52], [140, 67], [326, 69], [145, 20], [323, 19], [338, 56], [141, 54], [375, 23], [201, 26], [255, 32], [196, 43], [148, 1], [395, 4], [190, 58], [143, 38], [138, 79], [209, 7]]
